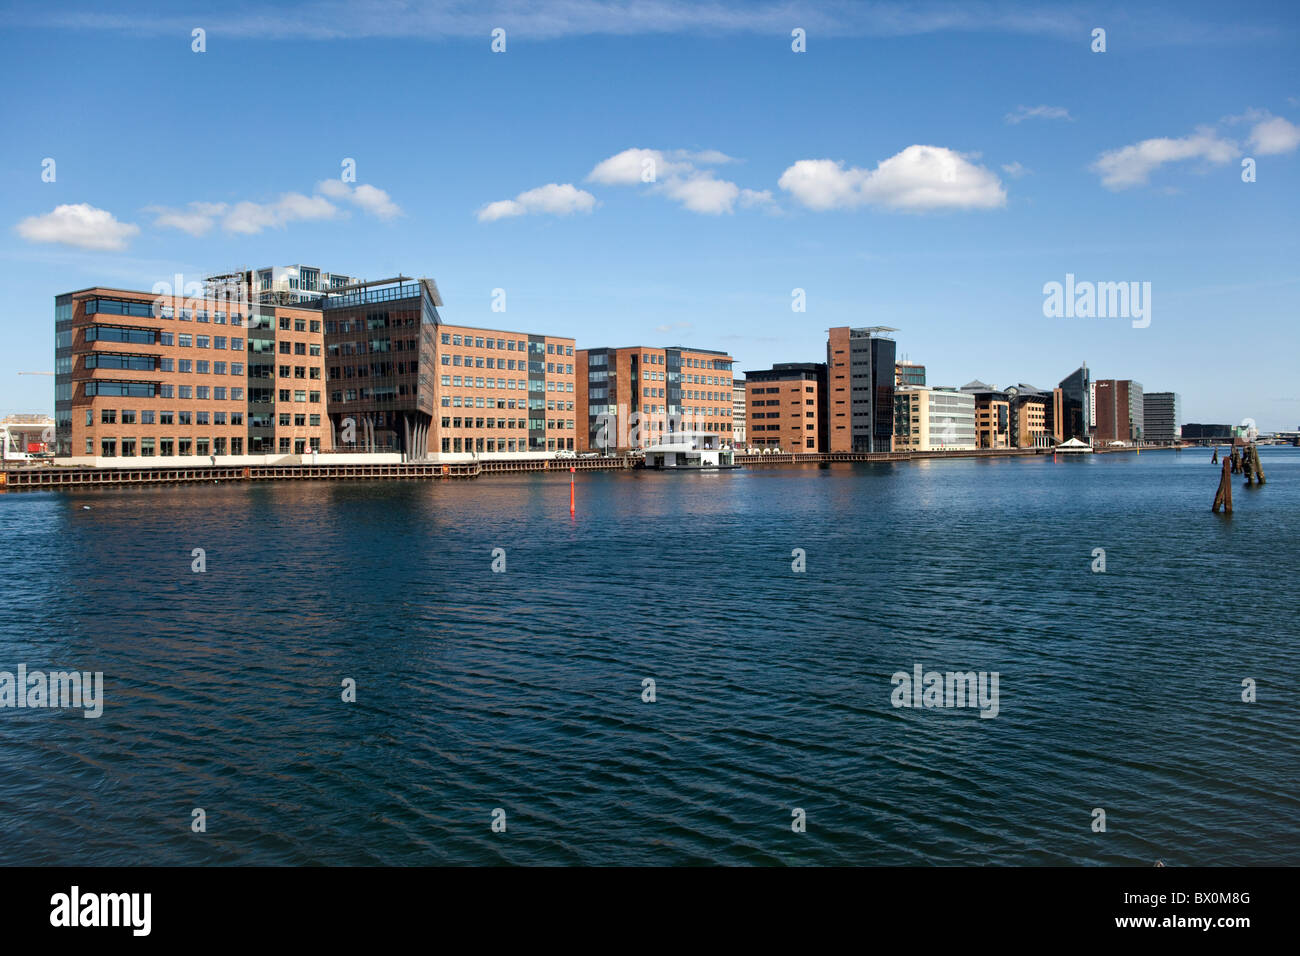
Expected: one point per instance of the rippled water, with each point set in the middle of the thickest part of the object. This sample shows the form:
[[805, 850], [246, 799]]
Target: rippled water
[[522, 690]]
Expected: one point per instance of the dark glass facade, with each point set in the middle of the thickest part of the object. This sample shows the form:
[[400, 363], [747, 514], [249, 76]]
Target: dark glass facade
[[379, 346], [1076, 412]]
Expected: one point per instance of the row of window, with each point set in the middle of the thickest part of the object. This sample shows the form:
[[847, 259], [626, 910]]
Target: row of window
[[508, 383], [150, 310], [157, 363], [299, 325], [375, 370], [551, 423], [512, 365], [689, 393], [201, 447], [215, 393], [477, 401], [375, 320], [376, 345], [147, 416], [481, 342], [506, 444]]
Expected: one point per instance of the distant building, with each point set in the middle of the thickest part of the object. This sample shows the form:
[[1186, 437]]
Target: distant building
[[992, 415], [1031, 416], [23, 436], [633, 396], [860, 371], [738, 416], [290, 284], [933, 419], [1072, 407], [908, 373], [1196, 432], [1160, 414], [1116, 410], [786, 407]]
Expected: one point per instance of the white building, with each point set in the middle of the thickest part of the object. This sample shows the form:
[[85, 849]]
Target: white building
[[933, 419], [298, 283]]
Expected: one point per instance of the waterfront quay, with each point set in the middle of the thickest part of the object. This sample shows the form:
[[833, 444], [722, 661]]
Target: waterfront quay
[[54, 477]]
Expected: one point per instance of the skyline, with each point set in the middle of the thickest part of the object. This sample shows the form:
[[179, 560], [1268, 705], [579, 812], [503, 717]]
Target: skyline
[[871, 171]]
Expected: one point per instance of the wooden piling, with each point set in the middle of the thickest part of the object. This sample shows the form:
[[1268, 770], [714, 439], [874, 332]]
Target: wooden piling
[[1250, 466], [1224, 495]]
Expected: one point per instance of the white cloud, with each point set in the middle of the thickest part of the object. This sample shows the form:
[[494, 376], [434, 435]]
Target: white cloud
[[1274, 135], [703, 194], [197, 218], [1023, 113], [369, 198], [918, 179], [1132, 165], [552, 199], [1015, 170], [250, 218], [706, 157], [633, 166], [79, 224], [676, 174]]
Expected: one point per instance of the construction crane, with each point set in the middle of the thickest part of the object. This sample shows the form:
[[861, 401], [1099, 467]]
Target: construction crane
[[35, 373]]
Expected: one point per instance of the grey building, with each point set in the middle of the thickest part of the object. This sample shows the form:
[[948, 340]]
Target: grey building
[[1160, 414]]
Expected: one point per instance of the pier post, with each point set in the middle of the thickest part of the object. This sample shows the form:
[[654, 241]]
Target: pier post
[[1224, 495], [1215, 459], [1250, 463]]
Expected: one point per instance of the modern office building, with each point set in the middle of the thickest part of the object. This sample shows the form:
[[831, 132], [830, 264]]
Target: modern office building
[[739, 436], [402, 380], [1072, 407], [786, 407], [382, 365], [143, 375], [1031, 416], [1116, 411], [908, 373], [633, 396], [504, 392], [860, 372], [1160, 414], [992, 415], [933, 419]]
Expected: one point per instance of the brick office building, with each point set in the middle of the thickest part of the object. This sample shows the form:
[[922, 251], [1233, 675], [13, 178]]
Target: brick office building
[[403, 380], [785, 407], [861, 371], [142, 375], [633, 396]]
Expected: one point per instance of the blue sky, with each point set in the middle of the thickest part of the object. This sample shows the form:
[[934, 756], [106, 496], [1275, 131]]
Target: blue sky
[[928, 167]]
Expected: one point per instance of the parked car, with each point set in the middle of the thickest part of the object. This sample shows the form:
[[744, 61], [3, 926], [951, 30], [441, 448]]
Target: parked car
[[566, 453], [590, 454]]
